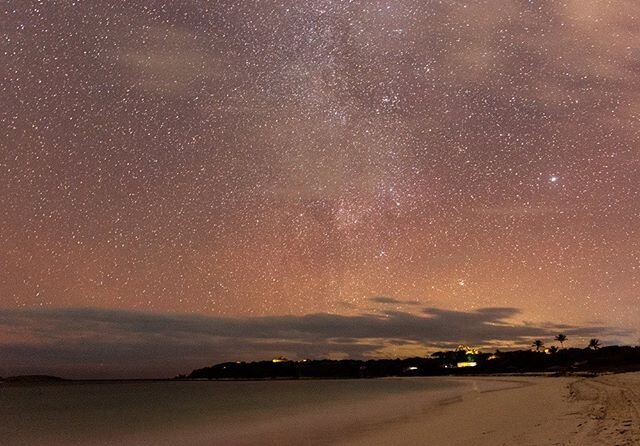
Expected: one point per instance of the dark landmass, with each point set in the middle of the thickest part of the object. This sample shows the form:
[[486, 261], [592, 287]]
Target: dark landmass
[[614, 359], [31, 379]]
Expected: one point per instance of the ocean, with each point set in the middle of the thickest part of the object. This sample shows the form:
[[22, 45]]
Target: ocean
[[213, 412]]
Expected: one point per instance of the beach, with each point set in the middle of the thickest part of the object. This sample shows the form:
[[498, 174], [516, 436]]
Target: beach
[[543, 411], [502, 410]]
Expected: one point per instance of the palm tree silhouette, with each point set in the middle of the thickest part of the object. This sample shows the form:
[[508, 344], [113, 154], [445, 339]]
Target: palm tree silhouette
[[561, 338], [553, 349], [594, 344], [538, 344]]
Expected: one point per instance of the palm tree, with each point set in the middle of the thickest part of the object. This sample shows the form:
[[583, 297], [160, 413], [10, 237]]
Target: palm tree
[[553, 349], [538, 344], [561, 338], [594, 344]]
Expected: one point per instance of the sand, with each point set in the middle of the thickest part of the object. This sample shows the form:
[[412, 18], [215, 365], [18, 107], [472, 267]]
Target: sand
[[541, 411]]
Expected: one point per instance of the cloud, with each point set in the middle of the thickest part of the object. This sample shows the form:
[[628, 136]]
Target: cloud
[[113, 343], [392, 301]]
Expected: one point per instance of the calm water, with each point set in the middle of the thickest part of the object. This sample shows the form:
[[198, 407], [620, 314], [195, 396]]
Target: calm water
[[203, 413]]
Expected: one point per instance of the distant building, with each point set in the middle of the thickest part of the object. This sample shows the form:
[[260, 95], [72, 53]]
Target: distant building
[[470, 356], [467, 364]]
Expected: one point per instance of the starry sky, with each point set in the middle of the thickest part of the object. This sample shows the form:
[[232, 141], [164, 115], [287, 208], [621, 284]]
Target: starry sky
[[249, 160]]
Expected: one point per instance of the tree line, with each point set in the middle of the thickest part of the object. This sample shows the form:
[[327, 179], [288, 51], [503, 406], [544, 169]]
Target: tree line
[[594, 343], [559, 361]]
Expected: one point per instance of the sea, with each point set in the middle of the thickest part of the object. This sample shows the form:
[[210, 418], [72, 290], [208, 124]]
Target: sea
[[195, 413]]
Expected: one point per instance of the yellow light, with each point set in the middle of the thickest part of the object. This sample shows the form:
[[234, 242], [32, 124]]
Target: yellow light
[[467, 364], [468, 350]]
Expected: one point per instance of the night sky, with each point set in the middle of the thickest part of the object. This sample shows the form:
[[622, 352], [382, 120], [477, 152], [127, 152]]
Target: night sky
[[341, 163]]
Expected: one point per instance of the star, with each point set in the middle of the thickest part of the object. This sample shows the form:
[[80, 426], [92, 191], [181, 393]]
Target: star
[[290, 157]]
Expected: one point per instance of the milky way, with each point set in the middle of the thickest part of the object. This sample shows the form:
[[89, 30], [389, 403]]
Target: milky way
[[256, 158]]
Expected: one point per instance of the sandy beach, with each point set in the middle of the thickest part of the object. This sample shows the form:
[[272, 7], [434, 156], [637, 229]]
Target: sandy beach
[[541, 411]]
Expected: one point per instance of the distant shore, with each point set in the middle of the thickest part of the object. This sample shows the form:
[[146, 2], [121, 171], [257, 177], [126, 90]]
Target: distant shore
[[464, 361], [32, 379]]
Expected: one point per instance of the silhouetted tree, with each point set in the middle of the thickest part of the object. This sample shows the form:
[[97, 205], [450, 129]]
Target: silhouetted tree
[[561, 338], [553, 349], [538, 344], [594, 344]]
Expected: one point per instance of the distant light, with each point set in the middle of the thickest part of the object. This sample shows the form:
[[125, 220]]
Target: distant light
[[467, 364], [468, 350], [412, 368], [554, 179]]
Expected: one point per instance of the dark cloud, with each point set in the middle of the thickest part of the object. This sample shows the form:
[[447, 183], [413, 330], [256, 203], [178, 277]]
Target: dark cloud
[[392, 301], [95, 342]]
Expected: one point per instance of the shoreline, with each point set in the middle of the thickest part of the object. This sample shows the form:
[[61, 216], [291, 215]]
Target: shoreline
[[524, 414], [29, 380], [455, 415], [555, 412], [433, 411]]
